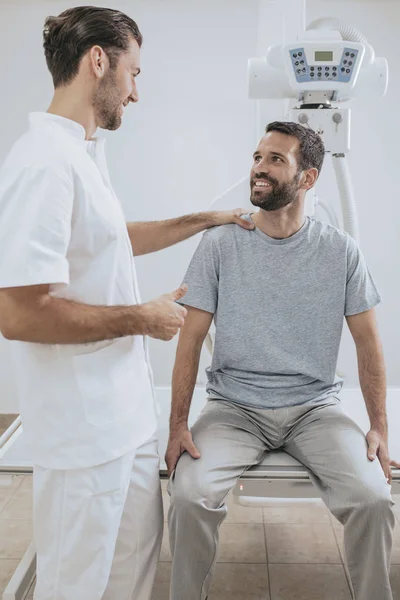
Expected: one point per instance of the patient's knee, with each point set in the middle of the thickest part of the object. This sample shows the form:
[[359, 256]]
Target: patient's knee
[[191, 487], [376, 501]]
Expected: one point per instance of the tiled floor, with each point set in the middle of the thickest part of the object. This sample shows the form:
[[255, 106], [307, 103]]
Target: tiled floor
[[5, 421], [276, 553]]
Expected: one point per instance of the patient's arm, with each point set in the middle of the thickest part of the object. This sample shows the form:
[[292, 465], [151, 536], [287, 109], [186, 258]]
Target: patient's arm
[[371, 370], [186, 366], [371, 367]]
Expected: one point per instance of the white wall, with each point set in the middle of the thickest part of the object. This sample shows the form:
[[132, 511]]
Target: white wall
[[192, 134]]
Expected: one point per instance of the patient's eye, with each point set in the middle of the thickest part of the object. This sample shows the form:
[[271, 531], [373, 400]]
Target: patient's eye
[[276, 158]]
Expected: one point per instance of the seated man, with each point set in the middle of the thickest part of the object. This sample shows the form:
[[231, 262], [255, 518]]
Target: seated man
[[278, 295]]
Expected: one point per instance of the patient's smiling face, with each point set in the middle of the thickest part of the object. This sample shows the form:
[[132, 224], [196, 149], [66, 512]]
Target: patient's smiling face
[[275, 179]]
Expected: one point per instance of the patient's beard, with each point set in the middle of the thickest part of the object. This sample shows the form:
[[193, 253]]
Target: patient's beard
[[278, 196]]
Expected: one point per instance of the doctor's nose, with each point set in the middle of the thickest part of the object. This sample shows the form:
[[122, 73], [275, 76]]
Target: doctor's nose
[[134, 95]]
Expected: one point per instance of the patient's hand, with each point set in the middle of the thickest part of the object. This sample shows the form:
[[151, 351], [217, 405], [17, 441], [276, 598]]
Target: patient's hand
[[378, 447], [180, 441]]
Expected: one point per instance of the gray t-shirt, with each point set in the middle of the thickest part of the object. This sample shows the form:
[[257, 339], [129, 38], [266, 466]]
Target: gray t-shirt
[[278, 310]]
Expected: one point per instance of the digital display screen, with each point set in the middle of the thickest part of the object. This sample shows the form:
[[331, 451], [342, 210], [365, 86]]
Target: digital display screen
[[323, 55]]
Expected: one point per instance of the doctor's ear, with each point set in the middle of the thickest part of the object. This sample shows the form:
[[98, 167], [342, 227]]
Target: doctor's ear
[[308, 178], [98, 60]]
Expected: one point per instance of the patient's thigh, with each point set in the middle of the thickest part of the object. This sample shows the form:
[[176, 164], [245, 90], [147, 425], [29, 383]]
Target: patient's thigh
[[229, 443]]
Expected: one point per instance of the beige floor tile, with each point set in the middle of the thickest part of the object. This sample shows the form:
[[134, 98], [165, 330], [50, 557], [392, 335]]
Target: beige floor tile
[[6, 494], [164, 484], [312, 543], [296, 513], [7, 568], [335, 523], [19, 506], [17, 480], [166, 503], [241, 543], [27, 483], [15, 537], [395, 581], [240, 582], [339, 535], [161, 584], [308, 582], [165, 550], [242, 514], [5, 421]]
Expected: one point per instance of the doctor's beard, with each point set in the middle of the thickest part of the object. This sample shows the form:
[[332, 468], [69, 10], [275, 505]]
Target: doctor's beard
[[107, 103]]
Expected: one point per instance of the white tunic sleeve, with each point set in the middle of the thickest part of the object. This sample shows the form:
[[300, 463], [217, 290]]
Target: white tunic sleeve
[[35, 226]]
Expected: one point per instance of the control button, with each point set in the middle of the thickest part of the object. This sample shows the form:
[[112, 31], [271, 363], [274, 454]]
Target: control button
[[347, 70], [299, 70], [350, 62], [345, 62], [300, 54], [343, 69], [319, 74], [334, 68], [334, 74], [312, 68], [302, 62], [297, 63], [352, 55], [326, 68], [312, 74], [304, 69], [319, 68], [326, 74], [347, 53]]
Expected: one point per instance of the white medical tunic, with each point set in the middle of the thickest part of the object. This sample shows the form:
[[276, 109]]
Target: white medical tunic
[[61, 224]]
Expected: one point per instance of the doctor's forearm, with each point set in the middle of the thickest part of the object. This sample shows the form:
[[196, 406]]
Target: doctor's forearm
[[183, 383], [60, 321], [371, 369], [157, 235]]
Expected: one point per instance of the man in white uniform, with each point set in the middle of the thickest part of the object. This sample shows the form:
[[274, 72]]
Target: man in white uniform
[[69, 300]]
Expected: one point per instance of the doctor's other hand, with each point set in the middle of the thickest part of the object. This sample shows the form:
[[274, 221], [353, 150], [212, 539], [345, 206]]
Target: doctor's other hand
[[180, 441], [224, 217], [163, 317]]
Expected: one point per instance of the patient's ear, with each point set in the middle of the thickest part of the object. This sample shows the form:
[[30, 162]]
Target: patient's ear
[[308, 178]]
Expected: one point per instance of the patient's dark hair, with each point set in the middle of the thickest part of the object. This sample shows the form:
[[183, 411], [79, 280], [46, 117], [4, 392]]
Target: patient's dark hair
[[69, 36], [311, 150]]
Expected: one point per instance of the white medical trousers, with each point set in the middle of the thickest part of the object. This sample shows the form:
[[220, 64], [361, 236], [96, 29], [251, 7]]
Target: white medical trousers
[[98, 530]]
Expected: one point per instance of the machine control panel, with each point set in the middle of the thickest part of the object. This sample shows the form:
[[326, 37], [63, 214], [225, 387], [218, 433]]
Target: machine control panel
[[323, 65]]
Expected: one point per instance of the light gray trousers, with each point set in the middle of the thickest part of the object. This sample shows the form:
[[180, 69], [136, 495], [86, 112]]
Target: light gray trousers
[[232, 438]]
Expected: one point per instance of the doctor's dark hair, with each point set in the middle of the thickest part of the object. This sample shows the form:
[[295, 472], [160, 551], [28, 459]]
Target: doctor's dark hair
[[311, 150], [69, 36]]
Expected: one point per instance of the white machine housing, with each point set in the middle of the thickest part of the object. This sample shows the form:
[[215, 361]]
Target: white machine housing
[[321, 61]]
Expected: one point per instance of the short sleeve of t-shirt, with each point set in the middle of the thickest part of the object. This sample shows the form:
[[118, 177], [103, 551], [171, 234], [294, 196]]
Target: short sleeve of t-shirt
[[35, 226], [361, 291], [202, 276]]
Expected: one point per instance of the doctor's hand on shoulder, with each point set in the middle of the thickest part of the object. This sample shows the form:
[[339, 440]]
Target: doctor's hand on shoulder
[[163, 317], [180, 441], [227, 217]]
